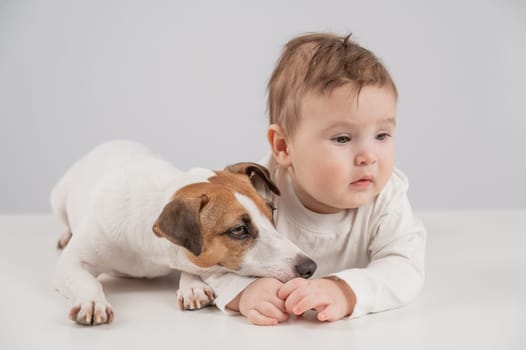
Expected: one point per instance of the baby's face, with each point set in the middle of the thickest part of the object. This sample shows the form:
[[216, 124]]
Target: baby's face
[[342, 152]]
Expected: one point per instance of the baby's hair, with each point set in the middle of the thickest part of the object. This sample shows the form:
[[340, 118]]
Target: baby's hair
[[318, 63]]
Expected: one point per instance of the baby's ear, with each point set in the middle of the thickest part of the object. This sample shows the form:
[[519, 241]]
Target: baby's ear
[[278, 144]]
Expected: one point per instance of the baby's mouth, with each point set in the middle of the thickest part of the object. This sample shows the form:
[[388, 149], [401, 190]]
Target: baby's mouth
[[363, 182]]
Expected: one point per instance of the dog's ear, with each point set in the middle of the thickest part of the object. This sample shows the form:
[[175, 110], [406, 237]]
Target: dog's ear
[[256, 174], [179, 222]]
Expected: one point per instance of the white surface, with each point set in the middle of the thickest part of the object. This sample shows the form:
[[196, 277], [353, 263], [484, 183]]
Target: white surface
[[188, 79], [474, 298]]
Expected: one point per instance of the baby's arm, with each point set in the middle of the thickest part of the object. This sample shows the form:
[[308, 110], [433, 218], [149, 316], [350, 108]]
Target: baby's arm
[[393, 277], [395, 274]]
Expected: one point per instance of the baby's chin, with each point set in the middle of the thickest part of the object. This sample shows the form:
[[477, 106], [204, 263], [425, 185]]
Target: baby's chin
[[357, 200], [322, 207], [336, 206], [338, 202]]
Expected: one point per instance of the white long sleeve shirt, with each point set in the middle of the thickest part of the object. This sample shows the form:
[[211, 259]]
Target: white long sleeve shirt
[[377, 249]]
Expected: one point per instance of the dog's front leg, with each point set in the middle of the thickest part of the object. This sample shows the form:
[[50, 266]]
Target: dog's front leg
[[193, 293], [75, 279]]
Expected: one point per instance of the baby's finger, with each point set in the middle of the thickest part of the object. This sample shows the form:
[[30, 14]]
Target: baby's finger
[[311, 301], [257, 318], [290, 286], [291, 304], [330, 313], [268, 309], [278, 303], [294, 298]]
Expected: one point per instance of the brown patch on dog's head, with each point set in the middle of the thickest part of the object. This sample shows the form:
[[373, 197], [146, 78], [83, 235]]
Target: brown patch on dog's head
[[208, 220], [217, 231]]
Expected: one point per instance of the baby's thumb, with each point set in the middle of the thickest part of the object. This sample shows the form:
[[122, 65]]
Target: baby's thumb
[[328, 313]]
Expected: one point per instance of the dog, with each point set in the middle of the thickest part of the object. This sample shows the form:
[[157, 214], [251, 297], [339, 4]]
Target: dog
[[128, 212]]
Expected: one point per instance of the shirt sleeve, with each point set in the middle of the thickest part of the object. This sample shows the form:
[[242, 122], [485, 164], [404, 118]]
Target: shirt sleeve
[[395, 274], [226, 286]]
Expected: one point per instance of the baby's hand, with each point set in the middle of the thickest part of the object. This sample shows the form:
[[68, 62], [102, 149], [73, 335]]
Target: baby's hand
[[333, 299], [260, 303]]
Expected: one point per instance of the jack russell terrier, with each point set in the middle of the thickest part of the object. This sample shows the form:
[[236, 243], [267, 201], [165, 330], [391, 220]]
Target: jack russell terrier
[[203, 222]]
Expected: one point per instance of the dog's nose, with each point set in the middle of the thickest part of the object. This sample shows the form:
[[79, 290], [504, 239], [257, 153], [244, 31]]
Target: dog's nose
[[305, 267]]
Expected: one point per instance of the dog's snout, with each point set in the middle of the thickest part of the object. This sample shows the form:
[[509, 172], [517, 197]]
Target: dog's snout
[[305, 267]]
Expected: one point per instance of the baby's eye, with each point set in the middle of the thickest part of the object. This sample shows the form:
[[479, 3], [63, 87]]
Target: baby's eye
[[382, 136], [342, 139]]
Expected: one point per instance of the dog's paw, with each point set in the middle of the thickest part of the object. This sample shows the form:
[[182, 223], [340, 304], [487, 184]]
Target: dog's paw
[[195, 297], [91, 313]]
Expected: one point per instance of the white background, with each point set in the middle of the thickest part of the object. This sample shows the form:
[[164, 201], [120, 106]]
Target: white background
[[188, 79]]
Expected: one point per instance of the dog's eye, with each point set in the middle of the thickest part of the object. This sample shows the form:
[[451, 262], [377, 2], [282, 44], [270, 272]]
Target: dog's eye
[[239, 232], [271, 206]]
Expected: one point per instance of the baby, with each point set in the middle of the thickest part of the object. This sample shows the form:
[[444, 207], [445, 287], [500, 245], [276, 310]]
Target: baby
[[332, 107]]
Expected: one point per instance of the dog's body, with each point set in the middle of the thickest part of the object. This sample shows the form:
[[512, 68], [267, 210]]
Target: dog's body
[[115, 198]]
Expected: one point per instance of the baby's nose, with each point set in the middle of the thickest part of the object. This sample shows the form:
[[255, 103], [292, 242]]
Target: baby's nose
[[365, 158]]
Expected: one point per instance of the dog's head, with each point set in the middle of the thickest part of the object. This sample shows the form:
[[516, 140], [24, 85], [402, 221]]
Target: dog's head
[[226, 222]]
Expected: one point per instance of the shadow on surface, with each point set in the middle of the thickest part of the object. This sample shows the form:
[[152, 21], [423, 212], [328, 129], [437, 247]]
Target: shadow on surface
[[122, 285]]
